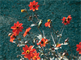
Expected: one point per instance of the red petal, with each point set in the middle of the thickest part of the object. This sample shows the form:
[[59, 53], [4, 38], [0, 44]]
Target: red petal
[[24, 34], [78, 46], [11, 40], [59, 45], [30, 47], [14, 24], [30, 6], [33, 2], [47, 24], [28, 29], [80, 52], [26, 46], [37, 7], [37, 43], [25, 56], [20, 24], [23, 53], [17, 22], [36, 3], [37, 54], [77, 49], [24, 49], [13, 27], [30, 3], [33, 9], [80, 43]]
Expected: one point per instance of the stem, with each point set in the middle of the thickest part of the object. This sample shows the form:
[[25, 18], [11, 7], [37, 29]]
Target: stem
[[78, 56], [70, 49], [61, 33], [36, 24], [53, 30], [43, 51], [43, 33], [19, 47], [53, 40]]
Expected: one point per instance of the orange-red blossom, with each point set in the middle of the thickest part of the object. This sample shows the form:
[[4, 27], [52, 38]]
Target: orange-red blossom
[[28, 52], [43, 42], [27, 31], [17, 28], [33, 5]]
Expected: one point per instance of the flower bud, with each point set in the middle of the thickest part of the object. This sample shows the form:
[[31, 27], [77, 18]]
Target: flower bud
[[23, 10], [9, 34]]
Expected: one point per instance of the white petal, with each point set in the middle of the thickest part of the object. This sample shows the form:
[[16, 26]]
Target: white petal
[[14, 41], [20, 45], [39, 47], [53, 51], [57, 35], [61, 47], [62, 44], [65, 43], [26, 42], [49, 48], [33, 25], [40, 22], [56, 48], [39, 36], [60, 34]]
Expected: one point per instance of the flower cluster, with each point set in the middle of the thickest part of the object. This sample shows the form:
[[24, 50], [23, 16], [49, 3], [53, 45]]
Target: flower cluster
[[66, 20], [47, 24], [17, 28], [31, 52], [43, 42]]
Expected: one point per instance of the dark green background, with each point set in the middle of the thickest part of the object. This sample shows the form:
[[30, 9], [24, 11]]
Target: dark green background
[[10, 13]]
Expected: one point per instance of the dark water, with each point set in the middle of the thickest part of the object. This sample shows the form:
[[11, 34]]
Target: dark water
[[10, 13]]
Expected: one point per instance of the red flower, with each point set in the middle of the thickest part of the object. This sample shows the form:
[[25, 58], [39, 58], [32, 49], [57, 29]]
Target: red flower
[[78, 48], [67, 20], [36, 56], [17, 28], [27, 30], [47, 24], [28, 52], [12, 37], [33, 5], [43, 42]]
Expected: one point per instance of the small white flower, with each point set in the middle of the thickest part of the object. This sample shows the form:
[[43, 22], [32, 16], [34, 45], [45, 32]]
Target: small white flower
[[60, 47], [65, 43], [40, 22], [56, 48], [60, 35], [20, 45], [22, 59], [39, 47], [26, 42], [52, 58], [39, 36], [62, 44], [33, 25], [53, 51]]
